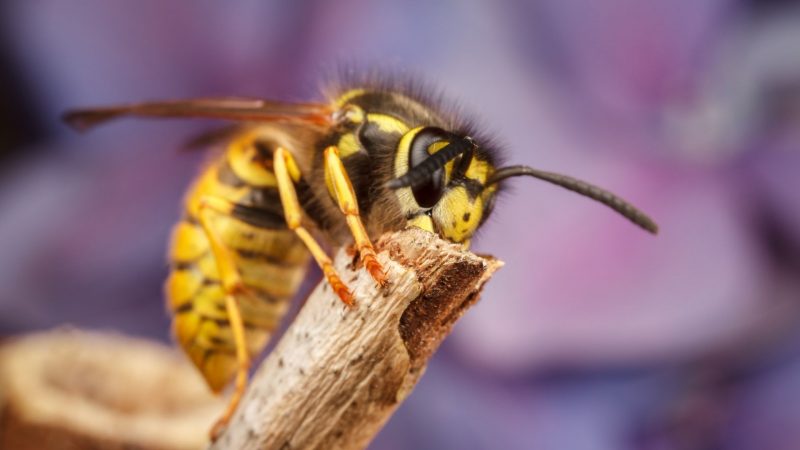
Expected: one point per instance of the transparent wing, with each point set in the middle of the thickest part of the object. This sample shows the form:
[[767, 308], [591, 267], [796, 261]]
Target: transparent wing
[[235, 109]]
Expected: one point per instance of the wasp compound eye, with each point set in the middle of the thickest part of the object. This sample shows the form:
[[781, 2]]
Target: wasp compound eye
[[429, 190]]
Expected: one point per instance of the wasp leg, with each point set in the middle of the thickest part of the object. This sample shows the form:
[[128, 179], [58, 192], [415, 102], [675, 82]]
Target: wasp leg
[[346, 198], [233, 286], [287, 173]]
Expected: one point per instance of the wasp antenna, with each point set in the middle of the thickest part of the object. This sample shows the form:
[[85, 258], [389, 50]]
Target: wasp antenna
[[420, 173], [614, 202]]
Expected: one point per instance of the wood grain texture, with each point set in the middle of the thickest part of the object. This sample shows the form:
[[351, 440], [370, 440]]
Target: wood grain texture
[[339, 373]]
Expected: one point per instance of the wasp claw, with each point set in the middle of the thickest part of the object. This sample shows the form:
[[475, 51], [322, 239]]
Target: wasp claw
[[373, 266], [338, 286]]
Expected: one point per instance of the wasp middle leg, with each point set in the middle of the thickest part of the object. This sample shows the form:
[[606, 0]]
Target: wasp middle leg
[[287, 173]]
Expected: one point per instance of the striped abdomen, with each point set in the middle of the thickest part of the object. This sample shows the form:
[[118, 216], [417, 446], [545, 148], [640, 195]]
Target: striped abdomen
[[269, 258]]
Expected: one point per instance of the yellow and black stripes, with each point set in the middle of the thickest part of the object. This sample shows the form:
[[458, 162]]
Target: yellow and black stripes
[[272, 264], [267, 261]]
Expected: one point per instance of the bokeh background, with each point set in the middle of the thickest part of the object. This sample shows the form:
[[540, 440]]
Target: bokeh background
[[595, 336]]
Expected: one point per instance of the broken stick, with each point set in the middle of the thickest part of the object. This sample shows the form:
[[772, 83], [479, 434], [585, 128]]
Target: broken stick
[[338, 373]]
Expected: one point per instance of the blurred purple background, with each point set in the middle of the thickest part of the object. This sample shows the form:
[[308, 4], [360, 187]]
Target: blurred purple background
[[594, 336]]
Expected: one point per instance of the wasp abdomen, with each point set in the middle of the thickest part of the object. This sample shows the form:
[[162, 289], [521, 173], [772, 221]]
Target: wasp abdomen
[[269, 259]]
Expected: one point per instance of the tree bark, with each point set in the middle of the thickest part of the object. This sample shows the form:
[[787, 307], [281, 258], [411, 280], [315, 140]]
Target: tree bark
[[339, 373]]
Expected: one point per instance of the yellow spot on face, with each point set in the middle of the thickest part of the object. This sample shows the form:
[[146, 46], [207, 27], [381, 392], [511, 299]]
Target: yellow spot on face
[[348, 145], [423, 221], [479, 170], [458, 216]]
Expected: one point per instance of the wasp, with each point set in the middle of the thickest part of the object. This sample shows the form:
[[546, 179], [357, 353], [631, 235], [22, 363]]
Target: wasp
[[371, 157]]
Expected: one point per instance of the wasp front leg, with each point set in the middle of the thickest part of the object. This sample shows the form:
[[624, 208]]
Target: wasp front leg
[[345, 196], [287, 173]]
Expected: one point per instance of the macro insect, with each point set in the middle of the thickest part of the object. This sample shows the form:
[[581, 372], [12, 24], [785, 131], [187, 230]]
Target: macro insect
[[374, 157]]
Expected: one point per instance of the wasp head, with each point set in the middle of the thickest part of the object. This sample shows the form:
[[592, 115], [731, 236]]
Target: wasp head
[[447, 185]]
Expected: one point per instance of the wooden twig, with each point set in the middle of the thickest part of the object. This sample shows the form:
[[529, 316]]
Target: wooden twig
[[339, 373], [69, 390]]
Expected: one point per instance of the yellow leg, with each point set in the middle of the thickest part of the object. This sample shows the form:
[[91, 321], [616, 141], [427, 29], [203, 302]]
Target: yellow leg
[[232, 285], [237, 326], [287, 173], [346, 198]]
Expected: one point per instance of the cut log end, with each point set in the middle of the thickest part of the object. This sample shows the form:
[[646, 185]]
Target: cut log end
[[68, 389]]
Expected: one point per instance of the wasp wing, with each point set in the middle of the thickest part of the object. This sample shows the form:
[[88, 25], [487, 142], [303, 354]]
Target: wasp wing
[[236, 109]]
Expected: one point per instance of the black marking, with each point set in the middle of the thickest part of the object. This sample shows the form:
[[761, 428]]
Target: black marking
[[474, 187], [263, 198], [225, 323], [256, 255], [189, 218], [268, 298], [206, 354], [371, 136], [266, 148], [219, 342], [414, 215], [183, 266], [184, 308], [462, 163], [210, 282], [258, 292], [407, 109], [312, 206], [465, 217], [192, 266], [488, 207], [259, 217]]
